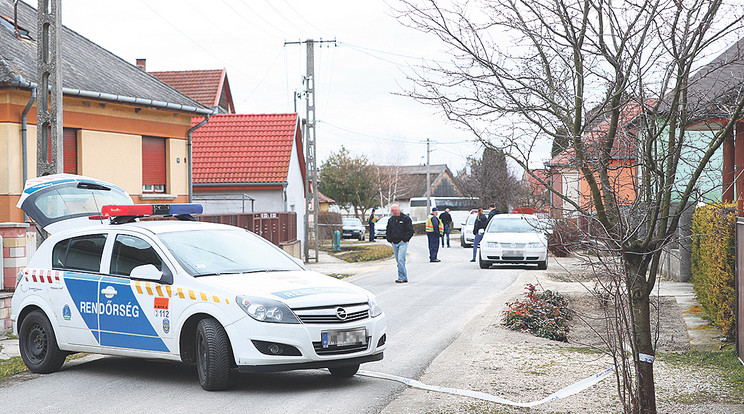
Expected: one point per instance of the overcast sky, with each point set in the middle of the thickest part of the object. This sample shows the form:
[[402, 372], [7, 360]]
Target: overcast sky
[[357, 81]]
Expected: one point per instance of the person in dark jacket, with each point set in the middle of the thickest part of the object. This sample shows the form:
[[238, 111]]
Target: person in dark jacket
[[493, 211], [481, 222], [398, 232], [371, 221], [446, 219]]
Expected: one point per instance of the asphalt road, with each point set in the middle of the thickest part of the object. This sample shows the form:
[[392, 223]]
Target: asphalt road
[[424, 317]]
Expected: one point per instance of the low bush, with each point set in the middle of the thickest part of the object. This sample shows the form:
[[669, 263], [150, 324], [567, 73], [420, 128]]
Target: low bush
[[544, 314], [565, 238], [714, 263]]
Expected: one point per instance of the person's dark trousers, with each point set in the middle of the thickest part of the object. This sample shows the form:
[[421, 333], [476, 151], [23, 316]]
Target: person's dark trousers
[[433, 245], [446, 234], [371, 232]]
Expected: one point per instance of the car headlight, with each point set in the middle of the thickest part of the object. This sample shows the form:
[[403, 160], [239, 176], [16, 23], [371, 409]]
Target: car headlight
[[266, 310], [374, 308], [492, 245], [534, 245]]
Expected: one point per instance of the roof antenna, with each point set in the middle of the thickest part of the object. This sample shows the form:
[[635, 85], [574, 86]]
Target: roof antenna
[[15, 19]]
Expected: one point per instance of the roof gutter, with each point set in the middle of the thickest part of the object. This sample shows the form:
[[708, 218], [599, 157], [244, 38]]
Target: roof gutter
[[188, 154], [283, 184], [18, 80]]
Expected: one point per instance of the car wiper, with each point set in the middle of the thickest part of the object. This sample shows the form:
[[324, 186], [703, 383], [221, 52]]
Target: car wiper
[[209, 274]]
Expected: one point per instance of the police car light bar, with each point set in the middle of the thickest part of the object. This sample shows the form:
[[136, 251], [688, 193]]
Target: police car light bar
[[149, 210]]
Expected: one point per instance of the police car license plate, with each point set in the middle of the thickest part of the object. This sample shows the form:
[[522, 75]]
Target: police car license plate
[[344, 338], [513, 253]]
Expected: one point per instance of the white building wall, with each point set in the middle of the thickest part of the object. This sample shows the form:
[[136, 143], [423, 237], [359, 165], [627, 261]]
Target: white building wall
[[295, 192]]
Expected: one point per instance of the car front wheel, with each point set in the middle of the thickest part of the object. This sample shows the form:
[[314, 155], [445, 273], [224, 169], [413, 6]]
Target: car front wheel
[[543, 265], [484, 264], [212, 355], [346, 371], [38, 344]]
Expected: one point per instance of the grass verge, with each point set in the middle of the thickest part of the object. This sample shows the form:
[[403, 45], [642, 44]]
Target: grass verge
[[14, 365], [725, 362], [363, 252]]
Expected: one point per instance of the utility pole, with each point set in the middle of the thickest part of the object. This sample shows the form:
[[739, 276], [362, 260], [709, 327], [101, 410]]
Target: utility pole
[[49, 156], [428, 179], [312, 204]]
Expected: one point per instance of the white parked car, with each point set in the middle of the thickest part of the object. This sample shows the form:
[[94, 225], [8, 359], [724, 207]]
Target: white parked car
[[513, 238], [381, 227], [466, 232], [220, 296]]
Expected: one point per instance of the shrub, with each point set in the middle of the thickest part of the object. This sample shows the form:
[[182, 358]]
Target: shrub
[[564, 238], [713, 263], [543, 314], [365, 253]]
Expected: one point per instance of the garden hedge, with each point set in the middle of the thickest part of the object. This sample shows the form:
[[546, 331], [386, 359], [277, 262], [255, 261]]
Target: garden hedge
[[713, 263]]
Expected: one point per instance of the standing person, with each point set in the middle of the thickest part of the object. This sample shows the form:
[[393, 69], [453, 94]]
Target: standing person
[[398, 232], [371, 221], [493, 211], [481, 222], [446, 220], [434, 230]]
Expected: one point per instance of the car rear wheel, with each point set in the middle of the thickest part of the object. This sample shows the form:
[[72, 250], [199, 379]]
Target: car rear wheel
[[212, 355], [38, 344], [543, 265], [484, 264], [462, 242], [346, 371]]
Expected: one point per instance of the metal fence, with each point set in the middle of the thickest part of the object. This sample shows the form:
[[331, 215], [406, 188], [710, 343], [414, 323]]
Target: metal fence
[[278, 228], [739, 288]]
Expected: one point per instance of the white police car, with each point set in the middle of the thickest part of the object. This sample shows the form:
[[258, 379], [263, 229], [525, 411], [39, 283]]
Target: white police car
[[212, 294]]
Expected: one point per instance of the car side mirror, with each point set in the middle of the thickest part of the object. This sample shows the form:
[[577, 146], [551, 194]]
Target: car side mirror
[[146, 272]]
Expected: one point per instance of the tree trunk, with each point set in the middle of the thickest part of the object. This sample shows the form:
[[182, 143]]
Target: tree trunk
[[645, 390]]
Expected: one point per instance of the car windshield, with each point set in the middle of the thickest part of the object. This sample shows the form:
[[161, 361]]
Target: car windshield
[[216, 252], [510, 225], [471, 218], [352, 222]]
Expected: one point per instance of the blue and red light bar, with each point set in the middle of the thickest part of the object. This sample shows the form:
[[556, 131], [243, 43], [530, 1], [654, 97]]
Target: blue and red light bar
[[138, 210]]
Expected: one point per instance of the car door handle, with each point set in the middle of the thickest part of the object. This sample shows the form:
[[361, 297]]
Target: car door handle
[[109, 292]]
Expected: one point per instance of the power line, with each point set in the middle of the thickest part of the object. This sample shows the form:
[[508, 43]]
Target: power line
[[405, 140], [302, 17]]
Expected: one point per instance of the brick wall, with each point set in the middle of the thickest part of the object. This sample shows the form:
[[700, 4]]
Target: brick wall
[[5, 323], [17, 247]]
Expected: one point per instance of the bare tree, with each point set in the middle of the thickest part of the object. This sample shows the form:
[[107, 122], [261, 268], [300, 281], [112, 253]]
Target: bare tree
[[617, 79], [490, 180]]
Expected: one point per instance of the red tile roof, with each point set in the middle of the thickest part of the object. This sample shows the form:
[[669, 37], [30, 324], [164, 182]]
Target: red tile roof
[[245, 149], [203, 86]]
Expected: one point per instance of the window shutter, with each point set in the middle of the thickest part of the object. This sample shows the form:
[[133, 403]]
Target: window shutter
[[69, 147], [153, 161]]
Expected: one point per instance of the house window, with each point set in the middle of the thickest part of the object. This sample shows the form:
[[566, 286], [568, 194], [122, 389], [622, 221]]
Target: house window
[[69, 150], [153, 165]]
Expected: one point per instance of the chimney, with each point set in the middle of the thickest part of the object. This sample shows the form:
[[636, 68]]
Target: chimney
[[142, 64]]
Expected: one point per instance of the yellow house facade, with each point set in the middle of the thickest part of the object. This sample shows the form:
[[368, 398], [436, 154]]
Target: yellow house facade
[[121, 124]]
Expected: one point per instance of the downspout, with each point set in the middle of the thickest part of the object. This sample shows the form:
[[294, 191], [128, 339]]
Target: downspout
[[24, 129], [24, 138], [188, 151]]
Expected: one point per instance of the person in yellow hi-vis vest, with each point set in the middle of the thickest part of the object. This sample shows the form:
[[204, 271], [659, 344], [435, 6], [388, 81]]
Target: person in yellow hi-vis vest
[[434, 230]]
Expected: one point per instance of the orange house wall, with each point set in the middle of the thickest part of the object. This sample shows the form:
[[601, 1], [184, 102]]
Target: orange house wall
[[623, 177], [90, 115]]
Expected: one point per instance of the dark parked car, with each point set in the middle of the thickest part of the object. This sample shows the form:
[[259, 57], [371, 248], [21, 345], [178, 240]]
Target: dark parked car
[[353, 229]]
